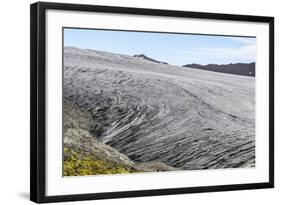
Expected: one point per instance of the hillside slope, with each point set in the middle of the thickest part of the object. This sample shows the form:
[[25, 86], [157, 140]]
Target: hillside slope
[[185, 118], [247, 69]]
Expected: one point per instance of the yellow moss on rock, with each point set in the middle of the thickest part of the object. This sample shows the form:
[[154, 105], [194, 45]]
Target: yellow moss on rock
[[81, 163]]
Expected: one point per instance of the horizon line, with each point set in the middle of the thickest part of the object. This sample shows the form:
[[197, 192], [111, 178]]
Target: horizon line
[[91, 49]]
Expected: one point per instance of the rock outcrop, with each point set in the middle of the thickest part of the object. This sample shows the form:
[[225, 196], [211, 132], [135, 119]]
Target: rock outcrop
[[142, 56]]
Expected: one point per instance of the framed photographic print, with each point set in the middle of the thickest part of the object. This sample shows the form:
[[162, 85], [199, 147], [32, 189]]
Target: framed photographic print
[[129, 102]]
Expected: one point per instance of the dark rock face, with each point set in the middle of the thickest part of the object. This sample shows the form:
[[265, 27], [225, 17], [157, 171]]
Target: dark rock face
[[185, 118], [247, 69], [142, 56]]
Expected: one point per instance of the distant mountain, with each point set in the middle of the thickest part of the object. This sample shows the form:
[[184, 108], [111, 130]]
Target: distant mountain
[[148, 58], [247, 69]]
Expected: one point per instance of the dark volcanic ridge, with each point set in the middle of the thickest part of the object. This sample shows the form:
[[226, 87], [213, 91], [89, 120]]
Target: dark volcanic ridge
[[142, 56], [247, 69]]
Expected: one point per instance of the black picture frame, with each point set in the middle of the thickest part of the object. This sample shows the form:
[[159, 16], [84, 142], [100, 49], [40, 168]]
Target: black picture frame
[[38, 101]]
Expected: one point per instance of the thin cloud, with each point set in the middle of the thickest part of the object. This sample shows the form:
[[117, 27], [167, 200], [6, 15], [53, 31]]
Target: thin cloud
[[220, 55], [243, 40]]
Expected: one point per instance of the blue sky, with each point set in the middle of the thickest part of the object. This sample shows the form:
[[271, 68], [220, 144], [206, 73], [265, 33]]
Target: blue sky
[[176, 49]]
